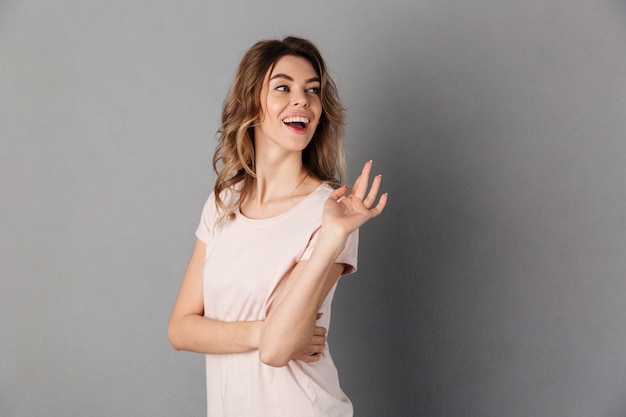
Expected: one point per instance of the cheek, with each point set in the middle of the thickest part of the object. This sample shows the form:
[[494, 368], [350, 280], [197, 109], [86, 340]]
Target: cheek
[[274, 105], [262, 108], [319, 111]]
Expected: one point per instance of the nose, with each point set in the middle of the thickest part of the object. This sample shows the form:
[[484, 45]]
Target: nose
[[300, 98]]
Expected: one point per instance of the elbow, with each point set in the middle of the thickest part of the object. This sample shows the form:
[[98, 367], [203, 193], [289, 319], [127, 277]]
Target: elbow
[[176, 345], [274, 356], [278, 348], [276, 361], [174, 337]]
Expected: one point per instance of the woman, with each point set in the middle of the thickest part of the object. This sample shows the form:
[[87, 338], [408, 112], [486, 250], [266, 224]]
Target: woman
[[274, 238]]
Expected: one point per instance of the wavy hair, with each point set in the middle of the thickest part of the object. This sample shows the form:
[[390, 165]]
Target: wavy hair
[[233, 161]]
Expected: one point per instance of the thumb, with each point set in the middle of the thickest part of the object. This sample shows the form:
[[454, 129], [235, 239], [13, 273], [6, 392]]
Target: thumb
[[338, 193]]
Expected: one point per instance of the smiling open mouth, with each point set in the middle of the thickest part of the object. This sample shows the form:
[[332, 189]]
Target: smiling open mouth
[[297, 121]]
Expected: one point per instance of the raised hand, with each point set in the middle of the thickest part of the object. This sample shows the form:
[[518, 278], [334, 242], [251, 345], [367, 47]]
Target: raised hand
[[346, 213]]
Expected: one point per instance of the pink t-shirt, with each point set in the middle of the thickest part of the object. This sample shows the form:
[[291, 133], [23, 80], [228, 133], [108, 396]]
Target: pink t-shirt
[[246, 263]]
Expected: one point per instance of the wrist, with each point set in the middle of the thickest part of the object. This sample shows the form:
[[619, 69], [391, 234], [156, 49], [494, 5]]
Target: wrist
[[332, 238], [255, 333]]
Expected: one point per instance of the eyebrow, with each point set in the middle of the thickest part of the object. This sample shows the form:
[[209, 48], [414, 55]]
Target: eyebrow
[[287, 77]]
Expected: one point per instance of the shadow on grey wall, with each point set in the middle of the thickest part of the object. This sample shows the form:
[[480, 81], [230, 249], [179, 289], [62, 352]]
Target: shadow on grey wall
[[489, 286]]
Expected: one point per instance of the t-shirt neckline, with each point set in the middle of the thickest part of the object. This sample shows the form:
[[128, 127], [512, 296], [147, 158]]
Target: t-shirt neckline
[[243, 217]]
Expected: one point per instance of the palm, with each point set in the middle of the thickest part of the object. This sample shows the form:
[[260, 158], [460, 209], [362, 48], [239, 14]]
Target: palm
[[353, 210]]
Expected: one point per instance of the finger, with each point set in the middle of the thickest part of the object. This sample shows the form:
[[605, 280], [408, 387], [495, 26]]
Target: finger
[[360, 185], [371, 196], [319, 331], [317, 341], [380, 206], [310, 352], [338, 193], [304, 357], [314, 348]]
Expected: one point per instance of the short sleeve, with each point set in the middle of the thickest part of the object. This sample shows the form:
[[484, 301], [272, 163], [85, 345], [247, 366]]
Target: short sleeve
[[208, 220], [348, 256]]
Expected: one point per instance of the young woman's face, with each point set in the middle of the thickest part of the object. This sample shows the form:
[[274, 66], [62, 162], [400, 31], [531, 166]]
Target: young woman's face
[[291, 106]]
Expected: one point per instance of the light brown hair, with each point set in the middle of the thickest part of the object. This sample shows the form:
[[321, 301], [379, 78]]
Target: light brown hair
[[233, 161]]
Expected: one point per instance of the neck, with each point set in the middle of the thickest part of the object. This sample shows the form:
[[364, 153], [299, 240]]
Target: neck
[[278, 178]]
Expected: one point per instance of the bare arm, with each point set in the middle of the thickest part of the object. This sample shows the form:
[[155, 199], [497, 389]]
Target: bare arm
[[188, 328], [291, 321]]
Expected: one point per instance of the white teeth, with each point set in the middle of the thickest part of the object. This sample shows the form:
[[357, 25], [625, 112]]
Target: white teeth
[[296, 119]]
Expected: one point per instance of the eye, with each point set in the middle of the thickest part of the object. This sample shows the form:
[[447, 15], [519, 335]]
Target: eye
[[282, 88], [313, 90]]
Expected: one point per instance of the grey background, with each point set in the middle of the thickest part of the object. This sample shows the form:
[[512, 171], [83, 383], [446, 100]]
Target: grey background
[[493, 285]]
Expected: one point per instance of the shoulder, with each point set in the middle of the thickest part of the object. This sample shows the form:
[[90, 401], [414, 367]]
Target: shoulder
[[312, 207], [318, 196], [323, 190], [228, 197], [212, 212]]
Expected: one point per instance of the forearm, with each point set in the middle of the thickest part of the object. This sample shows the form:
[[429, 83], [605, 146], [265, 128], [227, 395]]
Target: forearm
[[291, 322], [196, 333], [189, 330]]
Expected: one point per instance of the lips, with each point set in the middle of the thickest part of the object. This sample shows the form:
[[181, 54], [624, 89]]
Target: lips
[[297, 122]]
